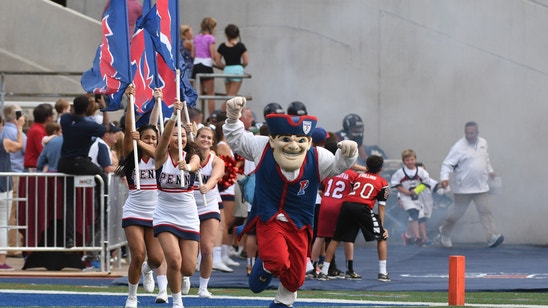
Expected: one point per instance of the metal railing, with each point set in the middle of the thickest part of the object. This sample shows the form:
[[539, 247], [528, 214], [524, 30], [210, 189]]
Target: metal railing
[[44, 202], [203, 98]]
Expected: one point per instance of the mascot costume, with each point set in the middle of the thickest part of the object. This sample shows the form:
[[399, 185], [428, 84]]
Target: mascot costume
[[288, 174]]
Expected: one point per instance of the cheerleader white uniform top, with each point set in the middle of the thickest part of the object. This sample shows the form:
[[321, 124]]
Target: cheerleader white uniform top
[[212, 196], [139, 206]]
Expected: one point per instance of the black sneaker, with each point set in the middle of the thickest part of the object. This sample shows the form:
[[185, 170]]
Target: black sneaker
[[335, 274], [496, 240], [322, 277], [311, 274], [352, 275], [383, 277]]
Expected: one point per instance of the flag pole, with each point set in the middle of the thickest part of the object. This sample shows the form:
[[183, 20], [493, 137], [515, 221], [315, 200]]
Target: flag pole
[[191, 138], [132, 101], [135, 151], [161, 115], [179, 137]]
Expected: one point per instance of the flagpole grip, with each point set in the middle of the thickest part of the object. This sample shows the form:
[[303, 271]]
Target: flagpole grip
[[187, 120], [135, 149], [161, 115], [178, 83]]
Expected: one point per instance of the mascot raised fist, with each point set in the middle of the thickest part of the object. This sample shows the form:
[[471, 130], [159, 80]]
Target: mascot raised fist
[[348, 147], [234, 107]]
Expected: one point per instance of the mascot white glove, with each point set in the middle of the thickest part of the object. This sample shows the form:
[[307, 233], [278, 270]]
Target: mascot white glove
[[234, 108], [348, 148]]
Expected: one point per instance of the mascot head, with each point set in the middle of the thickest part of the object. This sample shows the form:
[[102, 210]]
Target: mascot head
[[290, 138]]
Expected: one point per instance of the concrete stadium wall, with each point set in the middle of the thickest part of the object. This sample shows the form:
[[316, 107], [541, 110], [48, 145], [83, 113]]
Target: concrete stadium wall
[[415, 71], [44, 36]]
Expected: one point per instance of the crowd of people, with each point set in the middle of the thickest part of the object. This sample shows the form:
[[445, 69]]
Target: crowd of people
[[199, 166]]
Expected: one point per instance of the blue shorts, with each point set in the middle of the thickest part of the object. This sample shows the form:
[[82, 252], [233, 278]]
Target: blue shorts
[[233, 70], [228, 197], [413, 214]]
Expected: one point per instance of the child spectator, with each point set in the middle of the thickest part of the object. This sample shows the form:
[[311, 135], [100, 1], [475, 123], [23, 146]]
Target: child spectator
[[185, 48], [410, 182], [61, 106], [428, 206], [53, 130], [47, 161]]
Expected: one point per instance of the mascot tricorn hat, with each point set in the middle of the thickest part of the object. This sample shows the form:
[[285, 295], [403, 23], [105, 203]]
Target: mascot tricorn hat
[[283, 124]]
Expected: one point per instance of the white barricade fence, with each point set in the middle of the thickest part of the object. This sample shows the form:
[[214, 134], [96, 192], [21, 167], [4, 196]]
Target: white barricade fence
[[116, 237], [57, 212]]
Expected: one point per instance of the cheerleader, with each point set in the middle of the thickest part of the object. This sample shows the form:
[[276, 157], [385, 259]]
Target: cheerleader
[[175, 219]]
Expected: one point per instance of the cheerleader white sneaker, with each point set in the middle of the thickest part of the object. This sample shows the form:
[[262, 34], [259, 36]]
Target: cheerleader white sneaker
[[148, 279]]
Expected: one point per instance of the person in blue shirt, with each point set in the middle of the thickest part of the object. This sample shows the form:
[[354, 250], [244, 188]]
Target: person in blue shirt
[[78, 134], [11, 113], [7, 146], [49, 157]]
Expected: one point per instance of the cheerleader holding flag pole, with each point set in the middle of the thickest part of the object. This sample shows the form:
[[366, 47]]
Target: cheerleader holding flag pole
[[135, 154], [179, 141]]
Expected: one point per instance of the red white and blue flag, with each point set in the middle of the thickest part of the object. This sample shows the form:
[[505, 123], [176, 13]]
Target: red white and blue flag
[[143, 60], [162, 30], [161, 38], [149, 64], [111, 69], [145, 44], [170, 58], [144, 79]]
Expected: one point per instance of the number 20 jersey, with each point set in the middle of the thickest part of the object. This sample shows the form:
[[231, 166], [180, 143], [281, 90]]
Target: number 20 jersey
[[368, 188]]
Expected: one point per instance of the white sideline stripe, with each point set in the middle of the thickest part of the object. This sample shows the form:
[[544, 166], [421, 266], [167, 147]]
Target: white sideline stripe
[[305, 300]]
